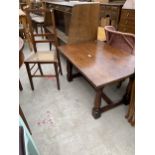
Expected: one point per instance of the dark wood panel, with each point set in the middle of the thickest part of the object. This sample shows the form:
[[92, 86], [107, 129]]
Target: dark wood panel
[[76, 21], [111, 10], [127, 21]]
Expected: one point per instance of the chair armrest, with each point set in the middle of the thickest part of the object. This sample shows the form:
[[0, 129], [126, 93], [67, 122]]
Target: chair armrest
[[121, 40]]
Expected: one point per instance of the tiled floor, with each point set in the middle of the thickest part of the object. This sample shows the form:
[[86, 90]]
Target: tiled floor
[[61, 121]]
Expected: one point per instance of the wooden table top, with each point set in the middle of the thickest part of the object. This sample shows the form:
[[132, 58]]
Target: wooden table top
[[98, 62]]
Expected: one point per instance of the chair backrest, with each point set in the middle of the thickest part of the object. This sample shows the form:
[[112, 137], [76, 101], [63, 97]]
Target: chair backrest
[[36, 4], [120, 40], [50, 36]]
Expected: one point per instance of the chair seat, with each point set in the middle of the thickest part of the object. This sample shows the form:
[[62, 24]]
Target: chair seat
[[33, 15], [38, 19], [42, 57]]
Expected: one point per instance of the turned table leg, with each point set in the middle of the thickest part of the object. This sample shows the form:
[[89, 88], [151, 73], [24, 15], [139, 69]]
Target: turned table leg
[[97, 104], [69, 71], [128, 90], [20, 86]]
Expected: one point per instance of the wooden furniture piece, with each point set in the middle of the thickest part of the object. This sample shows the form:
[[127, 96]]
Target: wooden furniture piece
[[23, 27], [130, 116], [100, 64], [110, 11], [38, 21], [38, 18], [43, 57], [120, 40], [24, 118], [75, 21], [23, 3], [21, 58], [127, 21]]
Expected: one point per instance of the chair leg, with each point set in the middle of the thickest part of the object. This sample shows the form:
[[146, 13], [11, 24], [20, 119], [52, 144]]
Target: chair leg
[[57, 75], [59, 63], [40, 69], [41, 27], [36, 28], [50, 46], [29, 75], [20, 86], [60, 69]]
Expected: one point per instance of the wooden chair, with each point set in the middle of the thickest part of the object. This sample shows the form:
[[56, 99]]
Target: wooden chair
[[37, 18], [121, 40], [23, 28], [44, 57], [38, 21]]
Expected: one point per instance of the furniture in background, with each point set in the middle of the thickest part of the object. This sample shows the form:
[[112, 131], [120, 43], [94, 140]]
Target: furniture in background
[[37, 18], [44, 57], [38, 21], [100, 64], [110, 13], [23, 3], [127, 19], [23, 29], [75, 21]]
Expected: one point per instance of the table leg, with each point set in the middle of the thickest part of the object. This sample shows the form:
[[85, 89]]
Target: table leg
[[126, 97], [69, 71], [20, 86], [97, 104]]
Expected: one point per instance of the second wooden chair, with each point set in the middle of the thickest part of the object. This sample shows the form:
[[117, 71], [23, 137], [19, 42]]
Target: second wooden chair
[[43, 57]]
